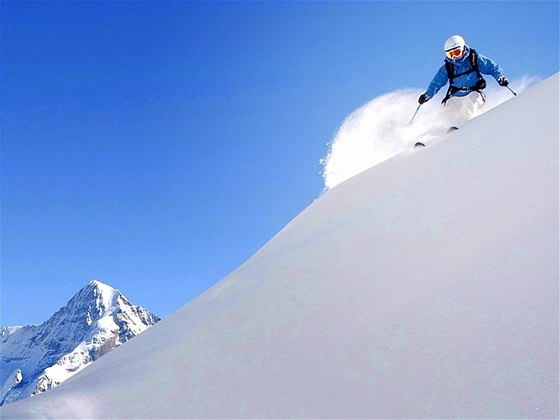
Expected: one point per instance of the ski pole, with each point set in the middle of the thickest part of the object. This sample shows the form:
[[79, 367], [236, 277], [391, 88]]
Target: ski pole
[[514, 94], [417, 109]]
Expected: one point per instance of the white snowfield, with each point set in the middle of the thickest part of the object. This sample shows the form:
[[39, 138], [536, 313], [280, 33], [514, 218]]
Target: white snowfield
[[425, 287]]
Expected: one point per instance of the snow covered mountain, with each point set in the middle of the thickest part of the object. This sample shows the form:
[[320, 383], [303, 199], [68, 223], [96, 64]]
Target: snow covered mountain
[[425, 287], [37, 358]]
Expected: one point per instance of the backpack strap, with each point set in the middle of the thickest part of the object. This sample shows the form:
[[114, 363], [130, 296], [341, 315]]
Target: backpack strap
[[450, 70], [474, 61]]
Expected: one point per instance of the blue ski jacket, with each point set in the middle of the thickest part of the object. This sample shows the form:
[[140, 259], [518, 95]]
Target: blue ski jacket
[[468, 80]]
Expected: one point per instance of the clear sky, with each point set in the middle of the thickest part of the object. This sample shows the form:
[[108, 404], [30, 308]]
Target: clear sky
[[155, 146]]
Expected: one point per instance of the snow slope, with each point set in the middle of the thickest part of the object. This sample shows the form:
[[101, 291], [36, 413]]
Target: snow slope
[[425, 287], [37, 358]]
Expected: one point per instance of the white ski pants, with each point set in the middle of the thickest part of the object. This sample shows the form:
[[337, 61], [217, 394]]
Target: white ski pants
[[459, 109]]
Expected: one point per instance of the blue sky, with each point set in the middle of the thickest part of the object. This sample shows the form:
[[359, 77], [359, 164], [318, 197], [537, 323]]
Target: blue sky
[[155, 146]]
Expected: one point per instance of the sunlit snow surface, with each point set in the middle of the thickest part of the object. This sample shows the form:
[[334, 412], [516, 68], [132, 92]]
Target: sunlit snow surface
[[424, 287]]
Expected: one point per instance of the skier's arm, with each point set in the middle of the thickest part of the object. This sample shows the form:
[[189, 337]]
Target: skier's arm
[[439, 81], [487, 66]]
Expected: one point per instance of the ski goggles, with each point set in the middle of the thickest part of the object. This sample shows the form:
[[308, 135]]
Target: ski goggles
[[454, 53]]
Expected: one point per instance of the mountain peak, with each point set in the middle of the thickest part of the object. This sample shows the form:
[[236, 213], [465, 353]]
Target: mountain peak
[[97, 284], [98, 288], [37, 358], [94, 301]]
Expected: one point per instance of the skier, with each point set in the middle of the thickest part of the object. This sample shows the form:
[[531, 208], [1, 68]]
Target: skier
[[463, 68]]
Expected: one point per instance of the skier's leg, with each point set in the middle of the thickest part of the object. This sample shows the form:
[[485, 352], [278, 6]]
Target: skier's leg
[[480, 101], [453, 110], [459, 109], [473, 102]]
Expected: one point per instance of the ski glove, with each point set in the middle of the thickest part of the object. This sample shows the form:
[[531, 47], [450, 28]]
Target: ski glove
[[503, 81], [480, 84], [424, 98]]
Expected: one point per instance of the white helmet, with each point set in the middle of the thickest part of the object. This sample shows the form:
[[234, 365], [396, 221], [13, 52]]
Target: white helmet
[[453, 42], [454, 47]]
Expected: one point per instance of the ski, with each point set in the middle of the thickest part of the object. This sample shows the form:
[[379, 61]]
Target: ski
[[422, 144]]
